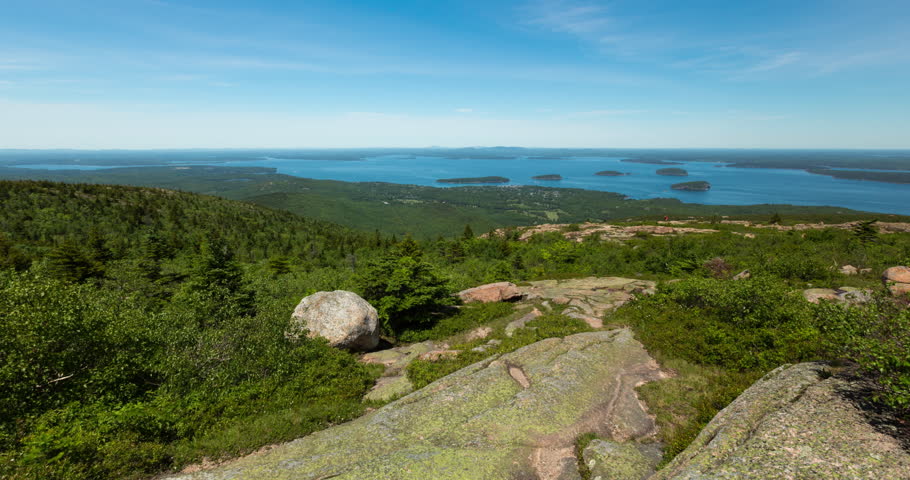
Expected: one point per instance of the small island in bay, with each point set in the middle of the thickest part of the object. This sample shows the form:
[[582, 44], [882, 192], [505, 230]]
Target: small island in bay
[[610, 173], [474, 180], [673, 172], [549, 176], [698, 186]]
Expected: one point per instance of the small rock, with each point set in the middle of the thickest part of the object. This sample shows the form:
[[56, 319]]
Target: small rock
[[592, 322], [521, 322], [743, 275], [478, 333], [900, 289], [438, 354], [561, 300], [899, 274], [864, 271], [815, 294], [341, 317], [853, 295], [848, 270], [897, 279], [491, 292], [388, 388]]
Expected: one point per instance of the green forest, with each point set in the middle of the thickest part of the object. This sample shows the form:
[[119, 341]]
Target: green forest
[[143, 329]]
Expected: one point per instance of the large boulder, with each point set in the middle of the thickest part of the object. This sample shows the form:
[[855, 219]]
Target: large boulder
[[506, 417], [341, 317], [491, 292], [796, 422]]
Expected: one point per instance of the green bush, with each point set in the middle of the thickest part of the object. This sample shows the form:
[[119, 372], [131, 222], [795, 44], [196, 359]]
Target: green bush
[[877, 337], [404, 289], [742, 325]]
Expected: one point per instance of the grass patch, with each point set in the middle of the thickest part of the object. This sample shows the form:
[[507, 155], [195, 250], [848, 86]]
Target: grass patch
[[684, 404], [467, 318], [581, 443]]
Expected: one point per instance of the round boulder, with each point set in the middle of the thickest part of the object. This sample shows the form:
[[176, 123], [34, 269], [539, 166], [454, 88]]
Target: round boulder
[[341, 317]]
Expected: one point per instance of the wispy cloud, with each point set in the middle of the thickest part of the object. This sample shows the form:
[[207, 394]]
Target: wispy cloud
[[16, 65], [569, 17], [777, 61], [464, 110], [605, 113]]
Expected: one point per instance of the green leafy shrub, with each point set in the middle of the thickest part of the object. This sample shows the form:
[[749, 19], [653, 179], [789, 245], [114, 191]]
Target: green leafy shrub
[[877, 337], [743, 325]]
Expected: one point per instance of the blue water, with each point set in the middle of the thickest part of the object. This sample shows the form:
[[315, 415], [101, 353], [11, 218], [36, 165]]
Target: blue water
[[51, 166], [729, 186]]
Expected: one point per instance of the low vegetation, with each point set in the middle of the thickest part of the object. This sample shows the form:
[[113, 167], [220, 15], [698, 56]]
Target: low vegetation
[[142, 330]]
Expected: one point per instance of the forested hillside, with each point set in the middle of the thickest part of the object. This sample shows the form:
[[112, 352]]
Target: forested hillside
[[38, 217]]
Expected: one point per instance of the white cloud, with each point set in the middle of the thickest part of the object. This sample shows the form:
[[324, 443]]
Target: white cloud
[[464, 110]]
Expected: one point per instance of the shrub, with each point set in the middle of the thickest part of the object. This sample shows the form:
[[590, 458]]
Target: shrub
[[877, 337], [403, 287], [751, 324]]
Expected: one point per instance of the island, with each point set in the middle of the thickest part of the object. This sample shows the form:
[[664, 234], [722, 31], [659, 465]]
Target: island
[[650, 161], [699, 186], [610, 173], [673, 172], [474, 180], [549, 176]]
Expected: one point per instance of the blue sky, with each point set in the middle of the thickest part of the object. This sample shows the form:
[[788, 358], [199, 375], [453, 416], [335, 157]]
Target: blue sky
[[194, 73]]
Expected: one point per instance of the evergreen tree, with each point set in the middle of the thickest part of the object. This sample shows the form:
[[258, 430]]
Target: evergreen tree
[[68, 262], [404, 289], [866, 232], [279, 266]]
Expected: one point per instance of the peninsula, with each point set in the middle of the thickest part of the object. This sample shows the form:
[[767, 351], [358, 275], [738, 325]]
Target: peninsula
[[467, 180]]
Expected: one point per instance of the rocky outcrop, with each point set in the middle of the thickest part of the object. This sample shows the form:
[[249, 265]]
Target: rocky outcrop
[[882, 227], [491, 292], [394, 383], [897, 279], [793, 423], [589, 298], [848, 270], [341, 317], [506, 417], [604, 231]]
